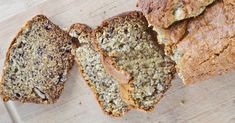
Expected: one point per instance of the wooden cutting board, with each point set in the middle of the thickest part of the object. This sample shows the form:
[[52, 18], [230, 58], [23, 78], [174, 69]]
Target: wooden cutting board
[[211, 101]]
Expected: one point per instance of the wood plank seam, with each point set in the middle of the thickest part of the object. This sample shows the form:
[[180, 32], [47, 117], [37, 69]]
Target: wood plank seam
[[15, 117]]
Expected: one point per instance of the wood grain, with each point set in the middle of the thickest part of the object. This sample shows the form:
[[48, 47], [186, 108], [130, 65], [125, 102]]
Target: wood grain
[[4, 115], [211, 101]]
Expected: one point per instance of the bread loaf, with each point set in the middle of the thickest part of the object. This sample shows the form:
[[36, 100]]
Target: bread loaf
[[203, 46]]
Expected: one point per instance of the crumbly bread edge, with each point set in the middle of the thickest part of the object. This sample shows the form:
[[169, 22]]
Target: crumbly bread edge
[[86, 29], [25, 26]]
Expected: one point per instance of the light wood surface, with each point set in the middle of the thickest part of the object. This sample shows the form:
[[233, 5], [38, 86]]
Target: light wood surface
[[211, 101], [4, 115]]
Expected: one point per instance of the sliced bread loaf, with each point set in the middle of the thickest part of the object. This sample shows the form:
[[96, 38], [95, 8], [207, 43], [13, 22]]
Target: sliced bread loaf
[[130, 53], [37, 63], [163, 13], [104, 86], [203, 46]]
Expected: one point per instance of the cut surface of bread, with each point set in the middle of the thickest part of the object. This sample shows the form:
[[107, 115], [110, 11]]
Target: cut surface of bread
[[130, 47], [37, 63], [204, 46], [104, 86], [163, 13]]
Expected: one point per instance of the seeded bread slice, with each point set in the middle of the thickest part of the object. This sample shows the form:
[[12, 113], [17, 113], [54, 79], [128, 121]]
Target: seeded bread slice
[[131, 54], [37, 63], [163, 13], [203, 46], [104, 86]]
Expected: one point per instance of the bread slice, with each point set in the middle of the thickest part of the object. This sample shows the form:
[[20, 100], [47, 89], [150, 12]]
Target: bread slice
[[37, 63], [104, 86], [203, 46], [163, 13], [131, 54]]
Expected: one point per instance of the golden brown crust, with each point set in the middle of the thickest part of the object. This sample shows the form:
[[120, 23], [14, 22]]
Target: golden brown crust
[[59, 89], [163, 13], [172, 35], [88, 30], [83, 27], [208, 48]]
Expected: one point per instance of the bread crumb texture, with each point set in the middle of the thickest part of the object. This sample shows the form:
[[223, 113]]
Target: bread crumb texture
[[37, 63], [128, 41], [105, 87]]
